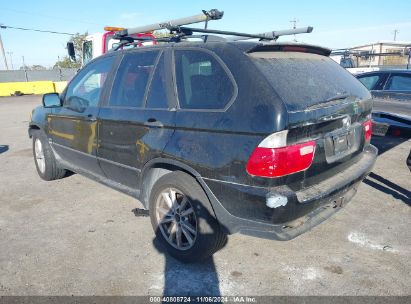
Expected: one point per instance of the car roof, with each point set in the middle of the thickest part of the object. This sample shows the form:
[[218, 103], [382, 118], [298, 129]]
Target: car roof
[[399, 71], [245, 46]]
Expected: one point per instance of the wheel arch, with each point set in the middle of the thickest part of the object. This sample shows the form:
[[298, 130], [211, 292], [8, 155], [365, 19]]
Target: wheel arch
[[157, 168], [33, 127]]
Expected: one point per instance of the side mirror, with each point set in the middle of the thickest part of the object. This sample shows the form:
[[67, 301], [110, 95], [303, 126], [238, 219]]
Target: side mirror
[[70, 50], [51, 100]]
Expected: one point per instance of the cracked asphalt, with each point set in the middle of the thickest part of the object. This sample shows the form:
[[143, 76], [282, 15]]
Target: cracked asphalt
[[77, 237]]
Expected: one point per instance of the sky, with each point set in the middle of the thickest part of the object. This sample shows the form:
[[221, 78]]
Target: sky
[[337, 24]]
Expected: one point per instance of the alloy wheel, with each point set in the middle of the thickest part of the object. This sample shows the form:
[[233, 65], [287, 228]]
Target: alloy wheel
[[176, 218], [39, 155]]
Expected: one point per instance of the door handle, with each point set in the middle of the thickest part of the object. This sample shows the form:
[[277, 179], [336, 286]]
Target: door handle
[[152, 122], [91, 117]]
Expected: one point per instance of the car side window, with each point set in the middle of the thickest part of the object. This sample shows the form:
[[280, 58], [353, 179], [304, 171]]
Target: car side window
[[157, 97], [399, 83], [369, 81], [85, 89], [131, 80], [202, 82]]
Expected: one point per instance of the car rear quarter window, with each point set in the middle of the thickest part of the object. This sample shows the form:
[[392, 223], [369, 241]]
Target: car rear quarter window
[[399, 83], [369, 81], [131, 79], [202, 82], [304, 79]]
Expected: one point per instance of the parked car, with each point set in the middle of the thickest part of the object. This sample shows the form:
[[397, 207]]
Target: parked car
[[391, 90], [391, 124], [385, 83], [213, 138]]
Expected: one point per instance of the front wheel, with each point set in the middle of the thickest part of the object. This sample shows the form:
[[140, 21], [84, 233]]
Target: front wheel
[[44, 159], [183, 219]]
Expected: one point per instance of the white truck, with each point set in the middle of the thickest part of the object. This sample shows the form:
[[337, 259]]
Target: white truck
[[98, 44]]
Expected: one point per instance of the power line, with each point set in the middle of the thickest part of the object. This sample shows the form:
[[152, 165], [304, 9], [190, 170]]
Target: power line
[[35, 30], [40, 14]]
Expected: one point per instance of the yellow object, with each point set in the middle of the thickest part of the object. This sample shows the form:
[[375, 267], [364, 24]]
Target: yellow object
[[59, 86], [113, 28], [32, 87]]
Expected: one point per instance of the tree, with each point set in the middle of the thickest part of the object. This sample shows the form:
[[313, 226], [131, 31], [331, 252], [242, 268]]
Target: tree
[[37, 67], [66, 62]]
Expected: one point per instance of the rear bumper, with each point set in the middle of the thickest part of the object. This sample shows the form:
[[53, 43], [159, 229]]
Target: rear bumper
[[248, 213]]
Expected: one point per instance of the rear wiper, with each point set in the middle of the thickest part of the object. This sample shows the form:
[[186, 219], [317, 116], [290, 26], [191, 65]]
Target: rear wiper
[[329, 100], [337, 97]]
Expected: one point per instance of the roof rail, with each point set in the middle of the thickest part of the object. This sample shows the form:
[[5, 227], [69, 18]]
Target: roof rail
[[188, 31]]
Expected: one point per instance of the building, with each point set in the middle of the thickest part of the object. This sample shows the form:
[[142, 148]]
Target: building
[[384, 46]]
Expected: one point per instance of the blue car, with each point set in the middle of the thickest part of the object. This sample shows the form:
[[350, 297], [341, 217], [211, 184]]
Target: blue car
[[391, 90]]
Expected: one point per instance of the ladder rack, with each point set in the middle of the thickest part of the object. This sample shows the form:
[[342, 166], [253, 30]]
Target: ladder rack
[[178, 31], [206, 16]]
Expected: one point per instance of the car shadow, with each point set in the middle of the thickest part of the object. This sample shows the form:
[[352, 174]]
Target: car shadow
[[384, 185], [386, 143], [195, 279], [4, 148]]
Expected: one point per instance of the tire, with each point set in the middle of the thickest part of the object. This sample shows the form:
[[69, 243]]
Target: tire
[[191, 211], [46, 164]]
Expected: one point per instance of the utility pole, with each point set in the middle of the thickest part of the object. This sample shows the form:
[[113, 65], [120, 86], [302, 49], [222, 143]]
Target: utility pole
[[395, 34], [11, 59], [294, 22], [25, 69], [2, 52]]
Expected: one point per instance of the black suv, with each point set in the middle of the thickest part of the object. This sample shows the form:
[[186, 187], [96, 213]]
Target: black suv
[[266, 139]]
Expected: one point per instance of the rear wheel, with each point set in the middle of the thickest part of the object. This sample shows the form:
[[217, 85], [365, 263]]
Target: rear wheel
[[44, 159], [183, 219]]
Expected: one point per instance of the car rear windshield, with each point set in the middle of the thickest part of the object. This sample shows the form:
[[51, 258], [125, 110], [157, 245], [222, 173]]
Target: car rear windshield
[[303, 80]]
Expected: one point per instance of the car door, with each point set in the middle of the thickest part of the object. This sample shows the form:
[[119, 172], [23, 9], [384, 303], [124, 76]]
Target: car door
[[205, 90], [73, 127], [398, 83], [138, 119]]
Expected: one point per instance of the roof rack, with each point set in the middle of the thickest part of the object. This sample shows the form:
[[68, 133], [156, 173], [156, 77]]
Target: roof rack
[[274, 35], [178, 31], [406, 51]]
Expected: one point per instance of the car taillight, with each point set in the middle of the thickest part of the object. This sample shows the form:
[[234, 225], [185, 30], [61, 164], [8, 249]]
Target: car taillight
[[367, 130], [273, 158], [396, 132]]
